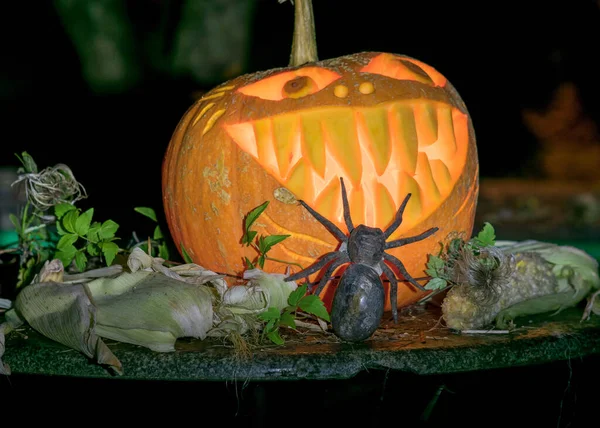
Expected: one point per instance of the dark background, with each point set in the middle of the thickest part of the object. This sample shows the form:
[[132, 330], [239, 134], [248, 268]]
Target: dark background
[[501, 56]]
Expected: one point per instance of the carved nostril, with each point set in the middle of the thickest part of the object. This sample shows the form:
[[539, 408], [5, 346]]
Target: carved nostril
[[340, 91], [366, 88]]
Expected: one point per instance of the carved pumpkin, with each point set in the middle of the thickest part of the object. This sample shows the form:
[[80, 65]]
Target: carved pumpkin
[[388, 124]]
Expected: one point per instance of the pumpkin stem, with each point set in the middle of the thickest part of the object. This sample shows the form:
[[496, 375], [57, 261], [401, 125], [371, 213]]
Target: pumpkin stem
[[304, 44]]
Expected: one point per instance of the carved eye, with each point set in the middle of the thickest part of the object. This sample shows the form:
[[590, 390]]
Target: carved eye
[[291, 84], [402, 68]]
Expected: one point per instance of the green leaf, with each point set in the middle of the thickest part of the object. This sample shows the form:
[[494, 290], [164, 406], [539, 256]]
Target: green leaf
[[455, 246], [28, 162], [148, 212], [275, 337], [261, 261], [67, 241], [435, 262], [314, 305], [249, 263], [80, 260], [109, 250], [163, 251], [266, 242], [157, 233], [296, 295], [66, 255], [270, 314], [26, 272], [435, 266], [436, 284], [487, 236], [61, 209], [254, 214], [249, 237], [107, 230], [82, 224], [186, 256], [270, 326], [288, 320], [92, 234], [69, 221], [15, 222], [93, 249], [60, 229]]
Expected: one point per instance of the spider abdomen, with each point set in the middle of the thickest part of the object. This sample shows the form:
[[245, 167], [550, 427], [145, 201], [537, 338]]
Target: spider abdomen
[[358, 303]]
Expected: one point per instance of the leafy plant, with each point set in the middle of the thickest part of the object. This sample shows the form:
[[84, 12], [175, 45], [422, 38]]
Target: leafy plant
[[92, 238], [34, 227], [298, 300], [158, 238], [261, 244], [439, 267]]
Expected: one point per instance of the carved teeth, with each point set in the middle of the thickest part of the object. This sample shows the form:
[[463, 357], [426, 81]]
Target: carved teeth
[[382, 152]]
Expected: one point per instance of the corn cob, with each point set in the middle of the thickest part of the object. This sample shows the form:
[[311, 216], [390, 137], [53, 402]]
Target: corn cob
[[525, 278]]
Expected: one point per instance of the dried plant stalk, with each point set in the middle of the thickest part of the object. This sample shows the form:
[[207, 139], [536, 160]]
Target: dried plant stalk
[[51, 186]]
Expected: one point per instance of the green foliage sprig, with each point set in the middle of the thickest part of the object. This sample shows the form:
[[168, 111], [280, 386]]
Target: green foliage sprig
[[158, 238], [262, 244], [439, 267], [297, 301], [34, 226], [80, 237]]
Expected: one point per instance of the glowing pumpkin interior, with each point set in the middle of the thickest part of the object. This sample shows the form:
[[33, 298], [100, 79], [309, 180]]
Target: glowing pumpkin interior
[[383, 151]]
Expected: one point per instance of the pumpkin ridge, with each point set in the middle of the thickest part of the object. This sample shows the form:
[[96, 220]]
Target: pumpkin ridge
[[469, 198], [283, 231]]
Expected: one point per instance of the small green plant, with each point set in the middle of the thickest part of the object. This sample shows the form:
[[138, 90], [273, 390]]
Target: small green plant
[[261, 244], [158, 238], [186, 257], [438, 267], [80, 237], [297, 301], [34, 225]]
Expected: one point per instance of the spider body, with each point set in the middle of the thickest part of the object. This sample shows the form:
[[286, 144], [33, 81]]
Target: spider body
[[359, 298], [358, 303]]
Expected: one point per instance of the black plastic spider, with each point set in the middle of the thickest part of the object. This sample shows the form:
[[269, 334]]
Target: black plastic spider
[[359, 298]]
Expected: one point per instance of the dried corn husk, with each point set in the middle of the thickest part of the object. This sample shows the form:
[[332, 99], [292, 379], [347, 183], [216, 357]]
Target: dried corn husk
[[150, 306], [236, 311], [541, 277], [65, 314], [151, 309], [145, 307], [593, 306], [12, 322], [273, 285]]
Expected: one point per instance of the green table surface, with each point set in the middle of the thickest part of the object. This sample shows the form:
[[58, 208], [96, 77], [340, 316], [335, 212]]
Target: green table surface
[[417, 344]]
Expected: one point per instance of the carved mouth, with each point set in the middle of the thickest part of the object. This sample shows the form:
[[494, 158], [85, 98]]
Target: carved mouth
[[382, 152]]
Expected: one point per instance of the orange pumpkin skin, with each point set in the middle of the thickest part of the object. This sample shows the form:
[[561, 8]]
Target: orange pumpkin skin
[[386, 123]]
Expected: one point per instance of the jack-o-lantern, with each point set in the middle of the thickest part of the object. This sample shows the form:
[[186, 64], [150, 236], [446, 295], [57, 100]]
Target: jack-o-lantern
[[387, 124]]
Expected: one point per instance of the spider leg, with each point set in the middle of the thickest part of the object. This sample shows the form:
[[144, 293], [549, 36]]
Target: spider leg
[[393, 289], [315, 266], [411, 239], [398, 220], [332, 267], [347, 217], [335, 231], [398, 264]]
